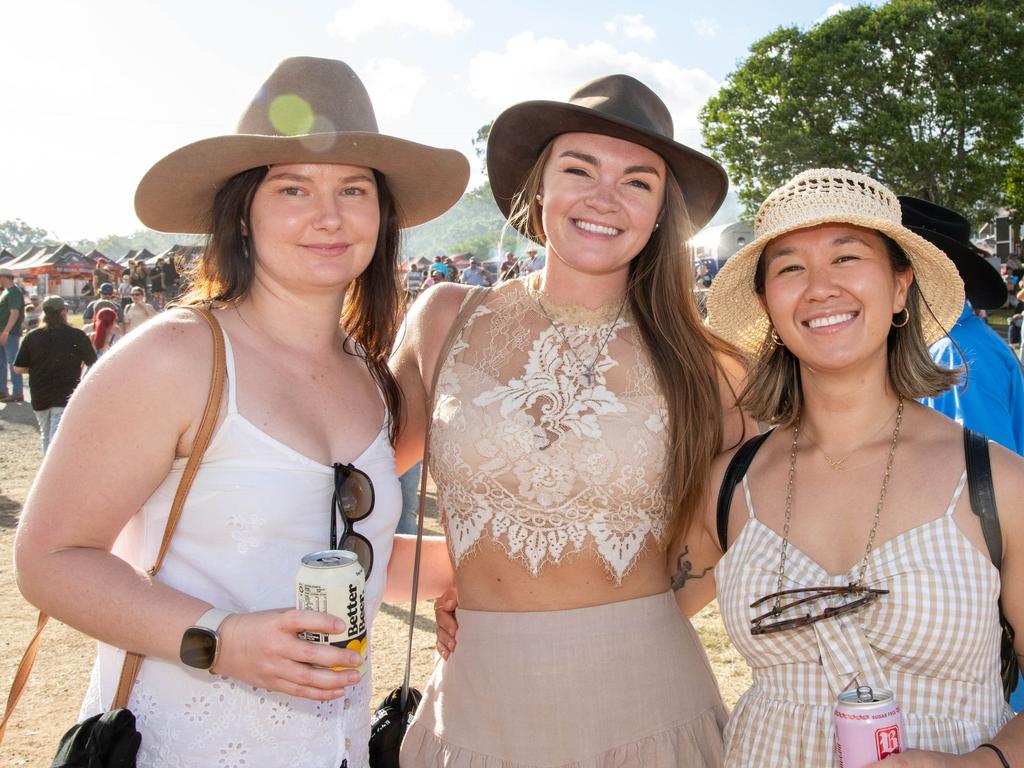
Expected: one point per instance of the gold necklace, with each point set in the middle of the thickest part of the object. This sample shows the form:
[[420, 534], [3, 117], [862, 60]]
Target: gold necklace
[[837, 464], [878, 507]]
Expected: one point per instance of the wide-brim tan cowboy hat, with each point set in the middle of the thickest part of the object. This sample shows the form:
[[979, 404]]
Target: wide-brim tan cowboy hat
[[309, 110], [830, 196], [619, 106]]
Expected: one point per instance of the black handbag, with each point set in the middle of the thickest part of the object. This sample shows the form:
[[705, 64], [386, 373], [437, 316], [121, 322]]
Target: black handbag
[[398, 709], [110, 739], [106, 740]]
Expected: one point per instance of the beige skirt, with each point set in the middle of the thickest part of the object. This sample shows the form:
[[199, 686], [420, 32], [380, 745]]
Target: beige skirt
[[625, 684]]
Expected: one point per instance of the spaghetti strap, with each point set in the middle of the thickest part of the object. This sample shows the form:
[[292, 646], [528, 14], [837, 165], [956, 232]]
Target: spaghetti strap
[[746, 495], [230, 357], [956, 493]]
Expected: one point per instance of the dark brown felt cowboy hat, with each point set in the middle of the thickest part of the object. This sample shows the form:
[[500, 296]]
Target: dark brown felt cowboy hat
[[617, 105], [951, 232], [308, 111]]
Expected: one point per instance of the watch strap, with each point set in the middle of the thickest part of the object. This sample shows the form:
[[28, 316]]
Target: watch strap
[[212, 619]]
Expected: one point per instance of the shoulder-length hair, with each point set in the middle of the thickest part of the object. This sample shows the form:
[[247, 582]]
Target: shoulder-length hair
[[682, 351], [774, 391], [225, 271]]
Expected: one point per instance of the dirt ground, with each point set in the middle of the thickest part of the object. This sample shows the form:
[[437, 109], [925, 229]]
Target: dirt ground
[[52, 698]]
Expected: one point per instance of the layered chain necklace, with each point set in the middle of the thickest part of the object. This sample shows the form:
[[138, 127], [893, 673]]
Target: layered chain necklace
[[588, 371], [878, 507]]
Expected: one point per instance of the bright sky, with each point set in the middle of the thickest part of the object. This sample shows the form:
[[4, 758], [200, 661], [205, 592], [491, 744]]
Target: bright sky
[[93, 93]]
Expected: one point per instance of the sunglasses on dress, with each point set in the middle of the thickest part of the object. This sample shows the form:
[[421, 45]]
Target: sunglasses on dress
[[855, 596], [352, 501]]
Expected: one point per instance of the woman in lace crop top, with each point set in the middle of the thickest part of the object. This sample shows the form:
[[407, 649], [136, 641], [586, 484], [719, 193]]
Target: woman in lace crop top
[[574, 419], [299, 272], [856, 498]]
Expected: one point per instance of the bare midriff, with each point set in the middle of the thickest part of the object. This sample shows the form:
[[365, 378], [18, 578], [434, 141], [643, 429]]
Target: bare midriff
[[488, 580]]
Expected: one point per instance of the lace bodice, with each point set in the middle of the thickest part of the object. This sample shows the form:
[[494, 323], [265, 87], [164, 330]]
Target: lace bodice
[[527, 452]]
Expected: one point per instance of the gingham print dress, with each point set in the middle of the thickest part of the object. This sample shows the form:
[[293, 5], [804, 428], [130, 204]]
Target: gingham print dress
[[933, 640]]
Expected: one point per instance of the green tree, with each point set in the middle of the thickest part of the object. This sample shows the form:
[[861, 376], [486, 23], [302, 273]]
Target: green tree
[[1015, 185], [925, 95], [480, 144], [16, 236]]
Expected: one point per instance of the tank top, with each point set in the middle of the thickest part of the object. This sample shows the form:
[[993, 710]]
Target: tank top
[[933, 640], [255, 508], [531, 452]]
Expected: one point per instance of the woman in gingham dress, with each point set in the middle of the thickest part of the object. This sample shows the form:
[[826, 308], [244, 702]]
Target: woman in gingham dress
[[859, 490]]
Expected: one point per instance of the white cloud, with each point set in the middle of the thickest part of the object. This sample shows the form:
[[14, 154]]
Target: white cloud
[[832, 10], [393, 87], [438, 17], [550, 68], [706, 27], [632, 27]]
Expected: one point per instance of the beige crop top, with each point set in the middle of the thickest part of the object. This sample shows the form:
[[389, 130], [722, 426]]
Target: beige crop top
[[525, 453]]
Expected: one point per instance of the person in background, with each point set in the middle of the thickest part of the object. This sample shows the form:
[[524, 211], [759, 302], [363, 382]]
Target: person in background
[[124, 288], [413, 283], [157, 285], [105, 298], [33, 312], [439, 265], [53, 356], [12, 318], [475, 274], [509, 268], [435, 277], [106, 331], [100, 273], [171, 278], [138, 275], [990, 399], [451, 274], [138, 310], [532, 263]]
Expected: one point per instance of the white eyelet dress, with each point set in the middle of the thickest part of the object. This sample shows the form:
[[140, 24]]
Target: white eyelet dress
[[933, 640], [255, 508]]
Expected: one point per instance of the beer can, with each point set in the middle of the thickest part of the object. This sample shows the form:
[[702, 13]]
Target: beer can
[[333, 582], [869, 727]]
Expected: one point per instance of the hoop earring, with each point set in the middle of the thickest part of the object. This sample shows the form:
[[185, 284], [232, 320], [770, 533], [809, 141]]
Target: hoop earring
[[245, 248], [776, 339], [906, 318]]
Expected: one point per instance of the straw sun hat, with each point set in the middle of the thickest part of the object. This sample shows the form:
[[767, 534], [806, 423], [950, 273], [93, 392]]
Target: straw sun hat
[[308, 111], [619, 106], [825, 196]]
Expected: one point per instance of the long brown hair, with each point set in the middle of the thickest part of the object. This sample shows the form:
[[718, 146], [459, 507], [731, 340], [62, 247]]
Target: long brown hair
[[683, 352], [774, 391], [370, 317]]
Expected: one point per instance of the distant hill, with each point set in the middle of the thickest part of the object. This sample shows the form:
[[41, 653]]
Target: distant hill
[[474, 225]]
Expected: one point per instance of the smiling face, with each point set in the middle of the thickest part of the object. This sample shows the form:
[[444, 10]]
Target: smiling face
[[600, 199], [314, 225], [831, 293]]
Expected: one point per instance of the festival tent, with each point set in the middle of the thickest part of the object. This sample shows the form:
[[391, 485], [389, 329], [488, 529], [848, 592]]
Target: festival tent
[[56, 268], [5, 256]]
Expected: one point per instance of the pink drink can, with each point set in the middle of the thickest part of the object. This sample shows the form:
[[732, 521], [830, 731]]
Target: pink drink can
[[869, 727]]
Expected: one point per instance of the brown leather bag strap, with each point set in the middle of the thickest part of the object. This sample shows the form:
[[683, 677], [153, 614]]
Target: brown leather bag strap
[[133, 661], [473, 300]]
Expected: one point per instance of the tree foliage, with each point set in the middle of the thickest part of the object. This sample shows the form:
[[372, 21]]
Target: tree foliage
[[17, 236], [1015, 185], [474, 225], [925, 95], [483, 133]]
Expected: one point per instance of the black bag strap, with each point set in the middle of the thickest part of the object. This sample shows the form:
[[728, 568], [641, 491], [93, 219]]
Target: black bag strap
[[983, 497], [733, 475]]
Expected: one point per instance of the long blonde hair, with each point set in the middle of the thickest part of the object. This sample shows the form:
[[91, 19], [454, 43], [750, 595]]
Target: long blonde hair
[[683, 352]]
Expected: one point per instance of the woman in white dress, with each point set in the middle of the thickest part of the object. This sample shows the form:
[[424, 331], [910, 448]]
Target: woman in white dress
[[303, 208]]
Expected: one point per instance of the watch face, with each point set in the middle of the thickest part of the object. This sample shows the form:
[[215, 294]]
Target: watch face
[[198, 647]]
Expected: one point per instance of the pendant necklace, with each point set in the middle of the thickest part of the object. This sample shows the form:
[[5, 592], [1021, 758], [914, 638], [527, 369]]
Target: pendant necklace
[[589, 372], [837, 464], [878, 507]]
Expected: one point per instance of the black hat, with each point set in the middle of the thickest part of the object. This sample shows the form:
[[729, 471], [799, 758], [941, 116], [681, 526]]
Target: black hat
[[951, 232]]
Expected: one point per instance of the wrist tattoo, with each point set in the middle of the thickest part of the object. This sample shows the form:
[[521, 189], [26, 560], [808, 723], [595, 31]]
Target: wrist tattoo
[[684, 571]]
